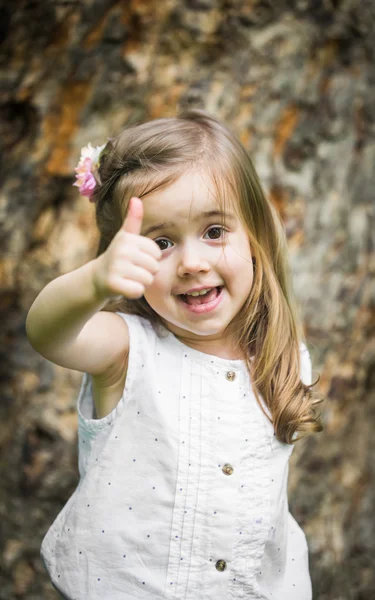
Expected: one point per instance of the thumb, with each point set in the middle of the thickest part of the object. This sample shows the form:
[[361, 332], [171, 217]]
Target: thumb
[[134, 218]]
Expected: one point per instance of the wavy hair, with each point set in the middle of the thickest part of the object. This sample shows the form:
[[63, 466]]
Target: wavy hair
[[151, 156]]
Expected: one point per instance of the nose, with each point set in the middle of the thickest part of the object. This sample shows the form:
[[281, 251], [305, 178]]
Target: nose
[[192, 260]]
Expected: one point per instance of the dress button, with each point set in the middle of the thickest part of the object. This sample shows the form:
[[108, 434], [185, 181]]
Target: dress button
[[227, 469], [221, 565], [231, 375]]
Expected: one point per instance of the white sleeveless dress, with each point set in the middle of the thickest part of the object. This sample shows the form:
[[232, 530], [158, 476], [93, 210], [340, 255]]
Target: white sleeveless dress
[[183, 487]]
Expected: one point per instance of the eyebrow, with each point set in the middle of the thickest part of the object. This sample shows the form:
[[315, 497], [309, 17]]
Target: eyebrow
[[205, 215]]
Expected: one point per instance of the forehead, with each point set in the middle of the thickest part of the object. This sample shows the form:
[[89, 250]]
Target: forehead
[[187, 198]]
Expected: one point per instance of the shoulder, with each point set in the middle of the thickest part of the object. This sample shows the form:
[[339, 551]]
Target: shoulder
[[122, 330], [119, 330], [110, 337], [141, 337], [137, 327], [108, 386]]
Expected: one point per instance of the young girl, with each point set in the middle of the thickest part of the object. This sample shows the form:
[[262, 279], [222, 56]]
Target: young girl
[[197, 379]]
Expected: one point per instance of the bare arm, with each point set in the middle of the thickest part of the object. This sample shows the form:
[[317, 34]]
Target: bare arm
[[65, 323]]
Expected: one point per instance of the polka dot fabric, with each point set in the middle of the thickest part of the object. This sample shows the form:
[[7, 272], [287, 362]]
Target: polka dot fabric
[[183, 487]]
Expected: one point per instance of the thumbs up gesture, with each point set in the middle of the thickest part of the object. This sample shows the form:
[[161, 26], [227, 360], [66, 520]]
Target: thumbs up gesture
[[130, 262]]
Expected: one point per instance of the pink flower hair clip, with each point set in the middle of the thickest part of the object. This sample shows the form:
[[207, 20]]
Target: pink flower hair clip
[[88, 163]]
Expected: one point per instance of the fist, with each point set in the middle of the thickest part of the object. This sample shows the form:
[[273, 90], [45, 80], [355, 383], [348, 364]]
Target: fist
[[131, 260]]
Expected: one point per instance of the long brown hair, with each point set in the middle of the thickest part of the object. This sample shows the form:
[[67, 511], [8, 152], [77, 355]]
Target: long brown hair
[[152, 155]]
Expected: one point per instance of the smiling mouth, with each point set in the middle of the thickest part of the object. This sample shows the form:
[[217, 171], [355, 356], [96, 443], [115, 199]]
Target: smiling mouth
[[204, 299]]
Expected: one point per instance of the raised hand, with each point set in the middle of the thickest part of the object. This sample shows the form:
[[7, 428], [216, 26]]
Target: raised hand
[[130, 262]]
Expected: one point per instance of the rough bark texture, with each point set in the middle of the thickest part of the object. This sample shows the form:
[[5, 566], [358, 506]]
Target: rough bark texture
[[295, 81]]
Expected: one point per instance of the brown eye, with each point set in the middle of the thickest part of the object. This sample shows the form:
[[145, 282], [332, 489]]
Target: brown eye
[[161, 243], [217, 231]]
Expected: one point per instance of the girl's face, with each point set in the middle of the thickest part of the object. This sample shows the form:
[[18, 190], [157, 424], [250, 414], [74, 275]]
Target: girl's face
[[197, 252]]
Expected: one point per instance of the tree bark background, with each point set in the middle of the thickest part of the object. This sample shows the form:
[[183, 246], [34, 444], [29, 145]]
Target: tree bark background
[[294, 79]]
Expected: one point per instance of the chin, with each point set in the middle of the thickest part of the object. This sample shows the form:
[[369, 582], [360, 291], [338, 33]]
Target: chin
[[199, 330]]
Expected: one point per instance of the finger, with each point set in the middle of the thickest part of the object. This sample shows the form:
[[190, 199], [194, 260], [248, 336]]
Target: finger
[[130, 289], [145, 245], [137, 274], [142, 259], [133, 220], [135, 279]]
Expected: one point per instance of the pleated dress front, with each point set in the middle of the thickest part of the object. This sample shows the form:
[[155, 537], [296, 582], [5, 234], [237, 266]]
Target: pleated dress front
[[183, 487]]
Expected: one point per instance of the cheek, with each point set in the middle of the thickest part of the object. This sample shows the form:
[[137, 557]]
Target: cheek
[[236, 256], [157, 288]]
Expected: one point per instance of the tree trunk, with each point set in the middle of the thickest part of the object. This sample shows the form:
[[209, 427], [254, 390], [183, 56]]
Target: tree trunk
[[295, 81]]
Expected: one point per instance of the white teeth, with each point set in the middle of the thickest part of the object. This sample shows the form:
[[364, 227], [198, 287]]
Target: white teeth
[[200, 293]]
